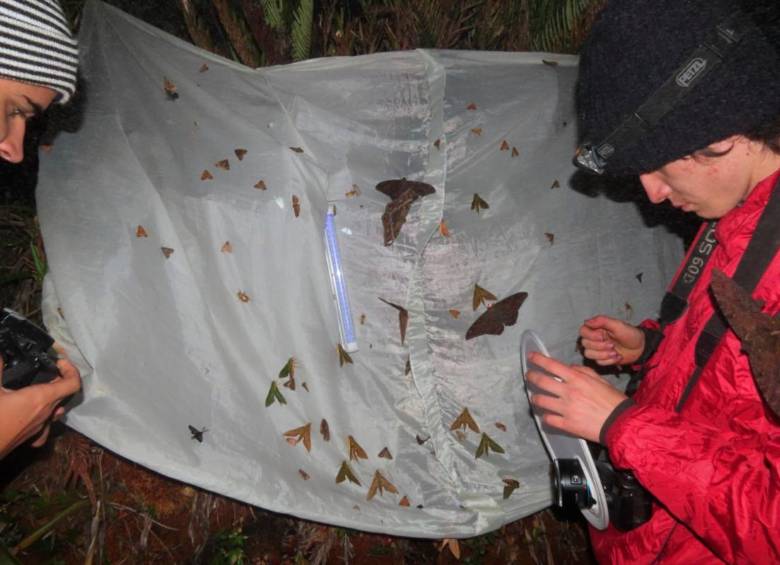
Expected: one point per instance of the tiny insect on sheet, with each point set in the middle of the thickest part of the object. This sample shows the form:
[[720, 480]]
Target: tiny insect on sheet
[[184, 227]]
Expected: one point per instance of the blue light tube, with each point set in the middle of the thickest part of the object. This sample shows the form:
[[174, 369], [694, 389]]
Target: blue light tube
[[339, 285]]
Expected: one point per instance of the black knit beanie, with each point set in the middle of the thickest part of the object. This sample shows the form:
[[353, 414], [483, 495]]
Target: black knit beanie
[[635, 46]]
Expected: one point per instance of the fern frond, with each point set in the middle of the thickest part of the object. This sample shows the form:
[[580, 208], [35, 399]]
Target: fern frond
[[273, 12], [301, 30], [555, 21]]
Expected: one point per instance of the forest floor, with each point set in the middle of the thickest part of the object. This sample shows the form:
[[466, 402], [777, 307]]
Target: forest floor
[[73, 502]]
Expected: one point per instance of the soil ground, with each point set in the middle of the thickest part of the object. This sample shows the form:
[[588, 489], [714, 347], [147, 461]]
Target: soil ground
[[75, 502]]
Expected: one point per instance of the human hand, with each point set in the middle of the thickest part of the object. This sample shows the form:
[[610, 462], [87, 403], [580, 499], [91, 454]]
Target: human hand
[[608, 341], [27, 412], [579, 403]]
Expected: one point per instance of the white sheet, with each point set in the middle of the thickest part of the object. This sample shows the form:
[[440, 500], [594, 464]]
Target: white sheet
[[166, 343]]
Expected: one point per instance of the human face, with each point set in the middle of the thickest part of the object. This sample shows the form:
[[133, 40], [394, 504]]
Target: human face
[[19, 102], [713, 182]]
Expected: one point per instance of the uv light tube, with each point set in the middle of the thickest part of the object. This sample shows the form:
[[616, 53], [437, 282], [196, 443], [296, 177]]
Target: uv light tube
[[338, 285]]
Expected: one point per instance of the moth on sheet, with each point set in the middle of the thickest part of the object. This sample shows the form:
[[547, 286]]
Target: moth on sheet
[[486, 445], [170, 89], [402, 194], [478, 203], [274, 395], [344, 357], [380, 484], [300, 434], [463, 421], [403, 318], [197, 434], [325, 430], [510, 485], [346, 473], [481, 296], [501, 314], [355, 450]]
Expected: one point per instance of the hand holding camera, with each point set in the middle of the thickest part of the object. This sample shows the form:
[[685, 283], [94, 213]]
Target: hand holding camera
[[34, 382]]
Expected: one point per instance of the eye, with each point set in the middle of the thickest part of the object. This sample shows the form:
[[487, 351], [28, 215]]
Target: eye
[[20, 113]]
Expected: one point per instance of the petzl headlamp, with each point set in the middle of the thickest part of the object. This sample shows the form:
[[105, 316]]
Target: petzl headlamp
[[707, 56]]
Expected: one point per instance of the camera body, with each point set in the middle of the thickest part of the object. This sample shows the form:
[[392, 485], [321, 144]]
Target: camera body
[[26, 351], [630, 505]]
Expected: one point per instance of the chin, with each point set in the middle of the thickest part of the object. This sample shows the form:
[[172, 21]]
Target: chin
[[713, 214]]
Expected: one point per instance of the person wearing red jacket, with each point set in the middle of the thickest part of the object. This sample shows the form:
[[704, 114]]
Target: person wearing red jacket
[[686, 95]]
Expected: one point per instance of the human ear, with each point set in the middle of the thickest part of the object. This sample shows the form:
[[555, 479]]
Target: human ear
[[718, 148], [725, 145]]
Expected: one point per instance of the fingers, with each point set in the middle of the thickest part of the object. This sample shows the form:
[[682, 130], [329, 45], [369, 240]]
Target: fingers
[[606, 323], [69, 381], [554, 421], [598, 322], [591, 333], [544, 383], [546, 403], [43, 435], [549, 364], [598, 345], [587, 371], [603, 357]]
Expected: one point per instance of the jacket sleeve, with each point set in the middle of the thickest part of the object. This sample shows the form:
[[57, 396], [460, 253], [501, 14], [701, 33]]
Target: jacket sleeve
[[653, 336], [723, 486]]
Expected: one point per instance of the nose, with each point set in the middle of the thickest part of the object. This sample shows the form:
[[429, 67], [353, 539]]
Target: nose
[[12, 140], [657, 190]]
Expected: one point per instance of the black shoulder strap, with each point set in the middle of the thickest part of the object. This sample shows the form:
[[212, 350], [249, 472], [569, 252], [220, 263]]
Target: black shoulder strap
[[762, 248], [676, 298]]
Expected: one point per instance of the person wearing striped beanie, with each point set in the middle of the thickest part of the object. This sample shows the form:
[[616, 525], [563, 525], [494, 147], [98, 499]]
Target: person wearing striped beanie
[[38, 65]]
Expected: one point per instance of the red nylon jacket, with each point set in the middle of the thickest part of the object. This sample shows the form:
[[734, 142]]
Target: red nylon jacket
[[714, 468]]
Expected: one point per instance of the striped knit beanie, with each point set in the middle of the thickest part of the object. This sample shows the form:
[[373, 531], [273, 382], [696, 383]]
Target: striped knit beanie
[[37, 46]]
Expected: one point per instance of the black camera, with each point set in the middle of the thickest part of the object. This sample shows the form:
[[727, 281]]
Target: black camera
[[570, 486], [27, 353], [629, 504]]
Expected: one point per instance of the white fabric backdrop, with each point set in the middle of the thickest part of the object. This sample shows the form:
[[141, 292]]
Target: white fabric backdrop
[[165, 343]]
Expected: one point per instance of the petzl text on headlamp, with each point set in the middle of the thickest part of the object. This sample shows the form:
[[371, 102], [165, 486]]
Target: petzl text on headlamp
[[707, 56]]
